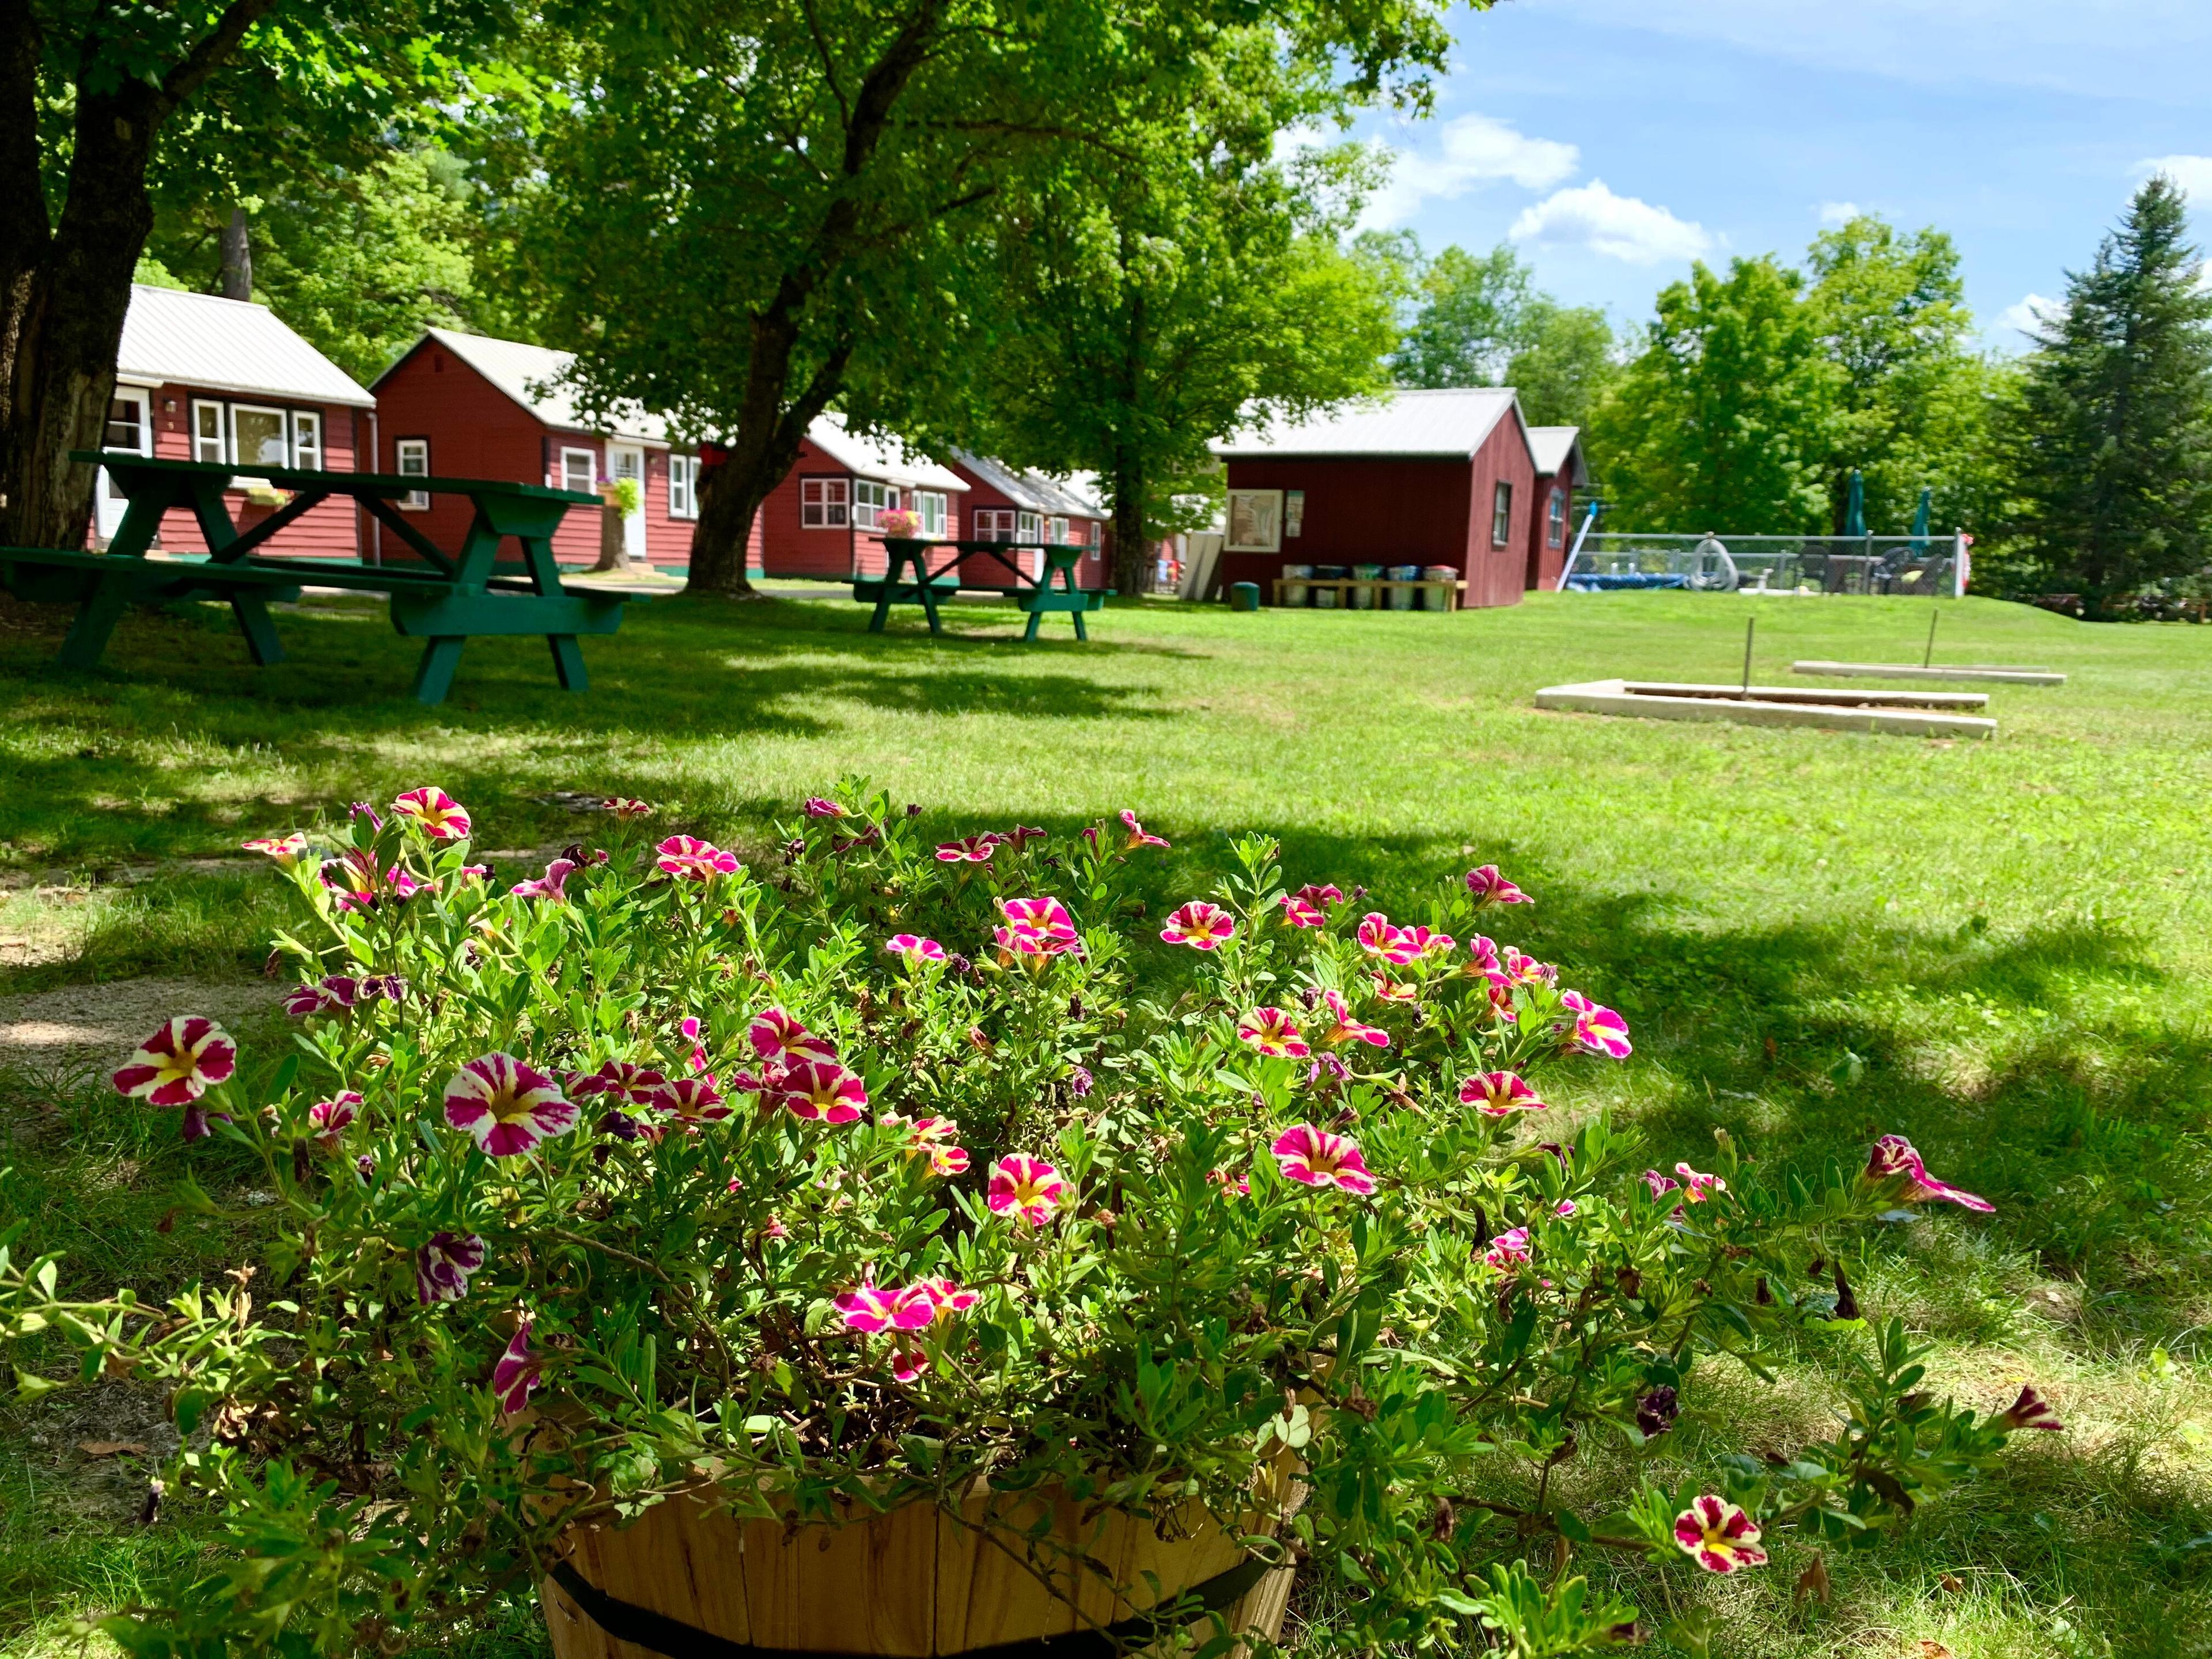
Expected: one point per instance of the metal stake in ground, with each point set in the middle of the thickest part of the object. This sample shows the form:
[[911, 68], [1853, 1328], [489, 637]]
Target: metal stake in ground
[[1927, 657], [1749, 623]]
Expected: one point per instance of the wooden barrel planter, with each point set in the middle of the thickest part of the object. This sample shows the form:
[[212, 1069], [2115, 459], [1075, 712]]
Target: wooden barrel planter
[[687, 1580]]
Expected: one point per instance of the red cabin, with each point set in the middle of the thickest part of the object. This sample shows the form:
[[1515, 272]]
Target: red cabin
[[1009, 504], [1559, 472], [199, 378], [1429, 478], [464, 406], [822, 520]]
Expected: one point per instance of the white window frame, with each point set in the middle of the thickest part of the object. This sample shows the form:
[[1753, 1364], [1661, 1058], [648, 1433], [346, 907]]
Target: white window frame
[[683, 486], [928, 506], [590, 458], [1555, 518], [1501, 513], [203, 441], [870, 501], [411, 459], [991, 524], [825, 502], [1056, 532], [1028, 528], [1255, 521], [306, 438], [283, 432]]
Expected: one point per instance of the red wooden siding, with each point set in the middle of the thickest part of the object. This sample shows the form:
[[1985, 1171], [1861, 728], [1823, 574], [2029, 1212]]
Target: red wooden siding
[[1545, 557], [326, 531], [789, 549]]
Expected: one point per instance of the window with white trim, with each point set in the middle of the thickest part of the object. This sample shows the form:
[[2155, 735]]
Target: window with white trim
[[991, 524], [579, 469], [1027, 527], [870, 501], [683, 486], [411, 459], [1056, 532], [824, 503], [208, 442], [928, 508], [1555, 518], [307, 439], [258, 436], [1501, 515]]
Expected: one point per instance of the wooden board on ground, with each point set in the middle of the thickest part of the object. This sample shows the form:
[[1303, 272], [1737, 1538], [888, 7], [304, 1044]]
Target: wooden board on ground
[[1904, 714], [1995, 672]]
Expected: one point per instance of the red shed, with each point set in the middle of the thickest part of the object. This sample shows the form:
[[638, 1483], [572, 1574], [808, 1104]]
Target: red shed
[[467, 406], [206, 379], [1012, 504], [821, 521], [1560, 473], [1415, 477]]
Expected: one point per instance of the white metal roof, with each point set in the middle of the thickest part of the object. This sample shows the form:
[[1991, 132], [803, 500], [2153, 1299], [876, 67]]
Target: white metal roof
[[1410, 424], [880, 457], [531, 375], [1554, 447], [173, 338], [1038, 491]]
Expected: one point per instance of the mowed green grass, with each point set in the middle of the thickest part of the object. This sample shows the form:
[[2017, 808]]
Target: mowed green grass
[[1999, 948]]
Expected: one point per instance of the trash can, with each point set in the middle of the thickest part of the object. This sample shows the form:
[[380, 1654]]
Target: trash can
[[1364, 599], [1401, 598], [1439, 573], [1243, 596], [1329, 598], [1295, 592]]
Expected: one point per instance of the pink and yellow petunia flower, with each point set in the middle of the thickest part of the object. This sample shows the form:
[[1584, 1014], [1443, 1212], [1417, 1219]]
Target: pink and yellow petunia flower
[[778, 1037], [949, 1297], [1026, 1187], [1698, 1188], [444, 1266], [437, 813], [969, 849], [627, 808], [2030, 1410], [690, 858], [933, 1137], [1343, 1028], [871, 1308], [1298, 913], [352, 883], [1321, 894], [1274, 1033], [507, 1105], [819, 806], [1318, 1158], [553, 885], [179, 1063], [1201, 925], [691, 1101], [287, 850], [1496, 1094], [517, 1372], [1894, 1156], [1425, 942], [821, 1091], [335, 994], [1659, 1186], [1596, 1029], [1718, 1535], [914, 946], [1233, 1184], [1393, 990], [1491, 888], [328, 1120], [1522, 969], [1510, 1249], [1138, 836], [1036, 927], [624, 1080], [1379, 937]]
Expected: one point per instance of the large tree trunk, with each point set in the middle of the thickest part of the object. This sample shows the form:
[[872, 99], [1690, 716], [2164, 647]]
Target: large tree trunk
[[237, 258], [1135, 556]]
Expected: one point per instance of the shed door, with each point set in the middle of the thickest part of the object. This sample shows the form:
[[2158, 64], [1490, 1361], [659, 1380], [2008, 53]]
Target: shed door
[[627, 461], [129, 426]]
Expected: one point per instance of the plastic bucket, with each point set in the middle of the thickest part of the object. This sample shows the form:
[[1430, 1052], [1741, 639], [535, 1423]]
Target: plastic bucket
[[1364, 599], [1296, 592]]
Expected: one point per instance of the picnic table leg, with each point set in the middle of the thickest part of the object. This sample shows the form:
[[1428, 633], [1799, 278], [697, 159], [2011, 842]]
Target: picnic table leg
[[569, 662], [928, 599], [261, 641], [440, 657], [96, 616], [1029, 633]]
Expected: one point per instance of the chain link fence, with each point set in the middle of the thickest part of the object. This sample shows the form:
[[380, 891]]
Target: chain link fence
[[1614, 560]]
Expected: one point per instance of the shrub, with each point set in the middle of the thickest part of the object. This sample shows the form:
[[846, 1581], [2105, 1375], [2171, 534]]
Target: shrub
[[895, 1166]]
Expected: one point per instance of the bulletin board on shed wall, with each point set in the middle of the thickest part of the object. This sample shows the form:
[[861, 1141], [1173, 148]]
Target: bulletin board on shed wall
[[1255, 522]]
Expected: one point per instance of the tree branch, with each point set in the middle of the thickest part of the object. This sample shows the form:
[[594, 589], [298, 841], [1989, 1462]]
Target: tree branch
[[213, 50]]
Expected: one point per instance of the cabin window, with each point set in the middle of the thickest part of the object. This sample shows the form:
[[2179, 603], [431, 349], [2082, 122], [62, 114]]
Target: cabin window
[[870, 501], [258, 436], [208, 443], [412, 457], [823, 504], [1027, 527], [126, 422], [928, 506], [1501, 515], [993, 524], [683, 486], [306, 440], [1555, 518], [1056, 532], [579, 469]]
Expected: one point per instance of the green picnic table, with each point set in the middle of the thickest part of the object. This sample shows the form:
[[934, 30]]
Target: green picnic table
[[925, 586], [452, 598]]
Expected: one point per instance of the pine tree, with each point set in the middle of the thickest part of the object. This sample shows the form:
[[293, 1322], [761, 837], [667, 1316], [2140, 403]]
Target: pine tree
[[2114, 443]]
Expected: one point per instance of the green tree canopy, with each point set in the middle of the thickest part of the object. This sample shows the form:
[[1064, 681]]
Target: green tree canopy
[[1728, 416], [2112, 436], [1471, 316], [1564, 363]]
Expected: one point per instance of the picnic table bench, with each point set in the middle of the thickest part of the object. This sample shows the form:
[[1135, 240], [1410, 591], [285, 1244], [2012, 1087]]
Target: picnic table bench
[[925, 586], [450, 599]]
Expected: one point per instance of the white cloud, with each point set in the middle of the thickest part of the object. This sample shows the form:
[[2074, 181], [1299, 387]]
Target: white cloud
[[1476, 150], [2027, 316], [1839, 213], [1620, 227], [2192, 173]]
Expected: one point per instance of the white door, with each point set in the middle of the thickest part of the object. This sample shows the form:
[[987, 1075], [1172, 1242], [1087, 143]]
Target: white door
[[129, 426], [627, 461]]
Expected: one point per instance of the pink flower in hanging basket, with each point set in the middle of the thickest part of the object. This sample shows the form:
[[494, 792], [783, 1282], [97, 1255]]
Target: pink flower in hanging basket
[[1138, 836], [1379, 937], [1321, 894], [1894, 1156], [1318, 1158], [822, 1090], [1036, 926], [553, 885], [328, 1120], [2030, 1410], [1510, 1249], [776, 1036], [1491, 888], [969, 849], [1274, 1033], [335, 994], [819, 806], [622, 1079], [507, 1104], [1345, 1029], [1298, 913], [179, 1063], [871, 1308], [516, 1374], [1498, 1093], [1521, 968], [911, 944], [1698, 1188], [693, 859], [436, 812], [691, 1101], [287, 850], [444, 1266], [1026, 1187], [1201, 925], [1718, 1535], [1424, 943], [1596, 1029]]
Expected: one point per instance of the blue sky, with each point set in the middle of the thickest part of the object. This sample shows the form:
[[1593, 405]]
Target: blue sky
[[1613, 141]]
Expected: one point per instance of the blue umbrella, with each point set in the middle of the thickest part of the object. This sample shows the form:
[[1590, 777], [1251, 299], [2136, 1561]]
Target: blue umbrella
[[1855, 512]]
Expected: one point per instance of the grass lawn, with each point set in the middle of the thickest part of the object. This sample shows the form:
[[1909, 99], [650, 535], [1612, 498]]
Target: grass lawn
[[1999, 948]]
